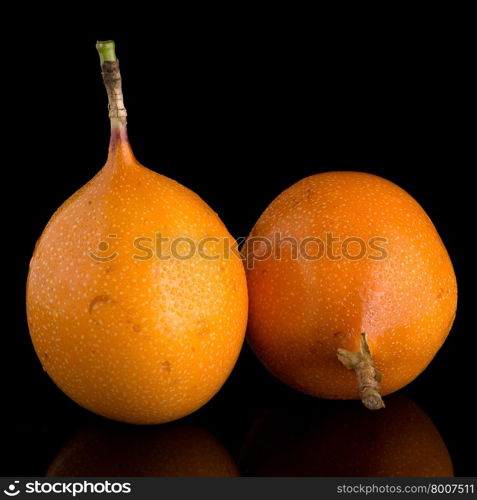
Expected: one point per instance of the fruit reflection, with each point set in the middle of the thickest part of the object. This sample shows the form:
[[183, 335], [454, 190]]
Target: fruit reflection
[[346, 440], [171, 450]]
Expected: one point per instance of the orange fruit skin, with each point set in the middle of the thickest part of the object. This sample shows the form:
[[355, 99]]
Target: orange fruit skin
[[140, 341], [173, 450], [302, 310], [398, 441]]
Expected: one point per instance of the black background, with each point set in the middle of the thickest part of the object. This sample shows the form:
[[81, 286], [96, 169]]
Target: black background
[[238, 112]]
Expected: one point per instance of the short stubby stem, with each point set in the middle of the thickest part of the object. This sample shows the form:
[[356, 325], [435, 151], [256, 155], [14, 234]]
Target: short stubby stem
[[368, 377]]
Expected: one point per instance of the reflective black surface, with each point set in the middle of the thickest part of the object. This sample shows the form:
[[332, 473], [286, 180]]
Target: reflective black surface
[[238, 119], [343, 439], [263, 427]]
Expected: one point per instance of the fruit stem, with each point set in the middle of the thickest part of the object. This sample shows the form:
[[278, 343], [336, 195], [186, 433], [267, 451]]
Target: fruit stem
[[368, 377], [106, 50], [112, 82]]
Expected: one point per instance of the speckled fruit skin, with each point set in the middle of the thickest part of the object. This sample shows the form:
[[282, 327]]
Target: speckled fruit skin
[[140, 341], [301, 311]]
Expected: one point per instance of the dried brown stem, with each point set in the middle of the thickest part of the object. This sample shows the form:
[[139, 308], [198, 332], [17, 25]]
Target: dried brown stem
[[112, 80], [368, 377]]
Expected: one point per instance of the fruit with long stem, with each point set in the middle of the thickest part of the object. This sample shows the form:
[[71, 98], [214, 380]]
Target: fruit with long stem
[[136, 300]]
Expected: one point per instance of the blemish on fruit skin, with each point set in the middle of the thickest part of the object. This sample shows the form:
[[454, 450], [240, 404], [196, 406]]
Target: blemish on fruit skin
[[316, 347], [98, 300], [202, 328], [166, 366], [136, 328]]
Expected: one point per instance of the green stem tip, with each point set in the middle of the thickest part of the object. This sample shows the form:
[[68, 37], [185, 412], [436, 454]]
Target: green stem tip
[[106, 51]]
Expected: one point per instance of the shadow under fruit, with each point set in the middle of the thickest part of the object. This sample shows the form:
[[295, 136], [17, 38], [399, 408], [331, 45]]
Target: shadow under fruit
[[177, 449], [344, 440]]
